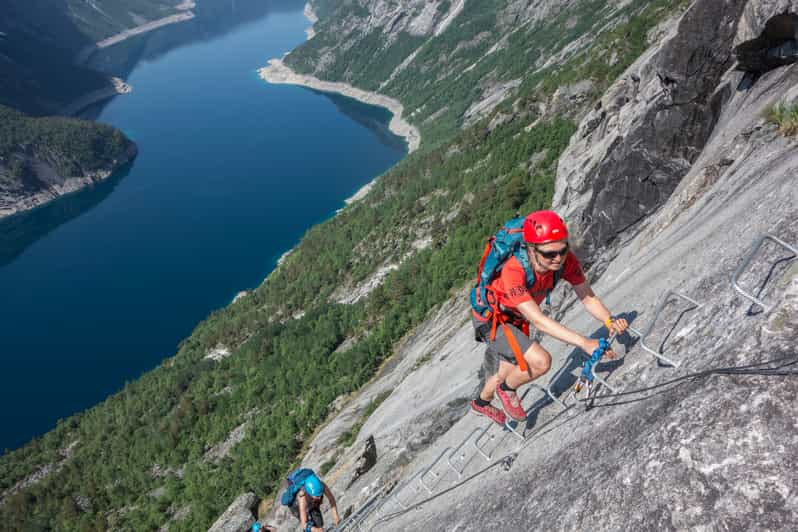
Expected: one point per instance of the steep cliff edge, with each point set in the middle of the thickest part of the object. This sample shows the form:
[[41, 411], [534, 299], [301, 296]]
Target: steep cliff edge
[[711, 451]]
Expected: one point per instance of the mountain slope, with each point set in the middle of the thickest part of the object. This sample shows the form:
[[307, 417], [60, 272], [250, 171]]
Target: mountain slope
[[472, 56], [236, 406], [703, 452], [39, 40]]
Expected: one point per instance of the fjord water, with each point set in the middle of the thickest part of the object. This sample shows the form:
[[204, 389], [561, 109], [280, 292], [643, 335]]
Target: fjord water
[[100, 286]]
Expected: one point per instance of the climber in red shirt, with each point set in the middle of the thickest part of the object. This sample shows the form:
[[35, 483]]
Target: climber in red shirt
[[546, 240]]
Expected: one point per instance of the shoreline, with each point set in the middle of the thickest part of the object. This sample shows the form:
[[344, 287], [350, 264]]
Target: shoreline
[[278, 73], [312, 17], [118, 88], [70, 185], [86, 53], [361, 192]]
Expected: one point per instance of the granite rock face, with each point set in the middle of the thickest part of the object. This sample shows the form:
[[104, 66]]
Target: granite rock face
[[366, 460], [644, 134], [239, 516], [708, 452], [430, 379]]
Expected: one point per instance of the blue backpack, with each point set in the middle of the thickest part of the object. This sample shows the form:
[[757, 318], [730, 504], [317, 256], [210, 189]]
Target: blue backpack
[[295, 482], [508, 242]]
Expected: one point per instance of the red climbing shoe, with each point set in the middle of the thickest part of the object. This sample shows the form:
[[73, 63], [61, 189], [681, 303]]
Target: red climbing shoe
[[511, 404], [489, 411]]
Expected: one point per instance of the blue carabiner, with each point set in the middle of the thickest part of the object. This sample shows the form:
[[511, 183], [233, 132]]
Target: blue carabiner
[[587, 366]]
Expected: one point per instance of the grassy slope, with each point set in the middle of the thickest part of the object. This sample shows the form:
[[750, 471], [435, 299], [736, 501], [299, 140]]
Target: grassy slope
[[456, 191]]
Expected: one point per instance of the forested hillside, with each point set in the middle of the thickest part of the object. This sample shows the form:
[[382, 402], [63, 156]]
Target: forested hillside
[[73, 147], [497, 94], [491, 53]]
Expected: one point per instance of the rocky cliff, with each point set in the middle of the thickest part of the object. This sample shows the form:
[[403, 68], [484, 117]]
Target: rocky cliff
[[667, 183], [44, 158]]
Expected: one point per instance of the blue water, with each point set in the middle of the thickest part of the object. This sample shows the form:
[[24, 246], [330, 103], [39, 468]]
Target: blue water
[[100, 286]]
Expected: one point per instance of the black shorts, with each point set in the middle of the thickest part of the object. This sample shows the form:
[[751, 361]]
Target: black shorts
[[314, 517]]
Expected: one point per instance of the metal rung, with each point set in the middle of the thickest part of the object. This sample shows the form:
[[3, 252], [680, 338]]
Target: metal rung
[[376, 508], [513, 429], [362, 514], [660, 308], [492, 437], [659, 356], [460, 454], [411, 484], [549, 393], [430, 472], [601, 380], [362, 526], [560, 372], [392, 499], [361, 522], [747, 260]]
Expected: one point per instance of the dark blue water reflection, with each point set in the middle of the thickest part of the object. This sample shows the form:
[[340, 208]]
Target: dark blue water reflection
[[99, 287]]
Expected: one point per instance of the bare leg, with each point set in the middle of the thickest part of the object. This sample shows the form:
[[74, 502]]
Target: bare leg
[[491, 382], [538, 360]]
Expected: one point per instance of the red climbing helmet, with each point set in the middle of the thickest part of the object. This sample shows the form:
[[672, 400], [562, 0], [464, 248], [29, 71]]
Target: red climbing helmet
[[544, 226]]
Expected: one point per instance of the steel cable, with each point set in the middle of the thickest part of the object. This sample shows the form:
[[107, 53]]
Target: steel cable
[[507, 460]]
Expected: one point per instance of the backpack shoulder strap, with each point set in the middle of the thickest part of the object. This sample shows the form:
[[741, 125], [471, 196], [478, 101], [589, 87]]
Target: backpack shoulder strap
[[523, 257]]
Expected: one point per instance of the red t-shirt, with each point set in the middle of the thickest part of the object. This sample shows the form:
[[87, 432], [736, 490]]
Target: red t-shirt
[[511, 288]]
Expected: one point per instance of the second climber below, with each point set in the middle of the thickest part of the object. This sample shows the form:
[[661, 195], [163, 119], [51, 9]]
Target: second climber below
[[516, 307], [307, 505]]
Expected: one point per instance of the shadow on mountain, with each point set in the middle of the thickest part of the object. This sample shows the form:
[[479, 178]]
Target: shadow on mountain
[[214, 18], [37, 43], [20, 231], [371, 116]]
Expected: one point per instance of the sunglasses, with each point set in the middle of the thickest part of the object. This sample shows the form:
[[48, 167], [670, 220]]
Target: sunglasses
[[562, 252]]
